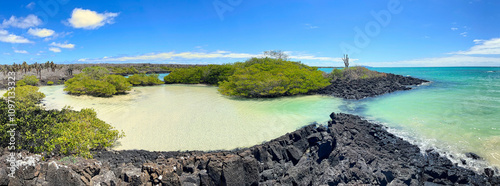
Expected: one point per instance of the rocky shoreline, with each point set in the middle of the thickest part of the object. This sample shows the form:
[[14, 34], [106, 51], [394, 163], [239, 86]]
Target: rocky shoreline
[[363, 88], [350, 150]]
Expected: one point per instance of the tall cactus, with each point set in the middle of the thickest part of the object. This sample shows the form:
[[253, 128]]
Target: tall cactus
[[346, 60]]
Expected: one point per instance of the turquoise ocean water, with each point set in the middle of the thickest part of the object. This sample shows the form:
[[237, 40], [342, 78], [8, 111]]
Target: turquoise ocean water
[[457, 112]]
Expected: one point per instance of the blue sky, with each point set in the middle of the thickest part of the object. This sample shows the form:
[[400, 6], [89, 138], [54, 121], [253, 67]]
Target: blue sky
[[374, 33]]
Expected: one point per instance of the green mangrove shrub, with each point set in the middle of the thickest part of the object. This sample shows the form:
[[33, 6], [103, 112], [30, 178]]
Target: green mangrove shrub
[[96, 81], [144, 79], [28, 80], [210, 74], [65, 132], [269, 77]]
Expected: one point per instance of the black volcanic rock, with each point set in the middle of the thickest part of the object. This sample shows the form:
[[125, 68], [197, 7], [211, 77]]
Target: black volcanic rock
[[350, 150], [363, 88]]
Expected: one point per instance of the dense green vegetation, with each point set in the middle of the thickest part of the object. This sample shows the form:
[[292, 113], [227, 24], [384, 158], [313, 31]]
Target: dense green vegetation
[[257, 77], [138, 69], [96, 81], [210, 74], [28, 80], [65, 132], [50, 82], [144, 79], [352, 73], [268, 77], [124, 70]]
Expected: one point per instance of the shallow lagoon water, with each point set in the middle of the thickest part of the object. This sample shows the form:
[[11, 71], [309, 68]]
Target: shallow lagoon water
[[196, 117]]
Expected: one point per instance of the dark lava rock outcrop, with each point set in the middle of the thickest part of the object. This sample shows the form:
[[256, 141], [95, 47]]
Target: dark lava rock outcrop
[[349, 150], [362, 88]]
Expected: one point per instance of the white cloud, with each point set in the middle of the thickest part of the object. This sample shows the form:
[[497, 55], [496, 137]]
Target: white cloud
[[309, 26], [31, 6], [57, 35], [41, 32], [311, 57], [172, 55], [454, 28], [491, 46], [463, 34], [219, 54], [21, 22], [54, 49], [11, 38], [21, 51], [455, 60], [88, 19], [62, 45]]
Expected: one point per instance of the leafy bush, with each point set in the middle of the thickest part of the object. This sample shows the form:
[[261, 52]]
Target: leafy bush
[[25, 95], [144, 79], [120, 83], [66, 132], [96, 81], [50, 82], [355, 73], [93, 133], [28, 80], [337, 74], [210, 74], [267, 77], [191, 75]]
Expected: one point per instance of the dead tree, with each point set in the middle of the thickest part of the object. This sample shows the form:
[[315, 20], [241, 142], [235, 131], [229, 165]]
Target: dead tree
[[277, 54], [346, 60]]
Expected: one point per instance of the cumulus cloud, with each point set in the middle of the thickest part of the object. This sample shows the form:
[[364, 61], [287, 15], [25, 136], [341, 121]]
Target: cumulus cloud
[[219, 54], [22, 22], [491, 46], [62, 45], [41, 32], [172, 55], [11, 38], [21, 51], [88, 19], [463, 34], [55, 50]]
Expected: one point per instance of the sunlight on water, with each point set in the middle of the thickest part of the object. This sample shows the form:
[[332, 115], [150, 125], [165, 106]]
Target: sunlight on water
[[458, 112], [196, 117]]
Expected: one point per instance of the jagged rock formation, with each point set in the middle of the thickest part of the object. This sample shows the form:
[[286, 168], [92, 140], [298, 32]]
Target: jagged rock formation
[[363, 88], [349, 150]]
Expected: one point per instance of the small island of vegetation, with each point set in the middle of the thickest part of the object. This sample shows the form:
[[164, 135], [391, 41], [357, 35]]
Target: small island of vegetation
[[257, 77], [144, 79], [96, 81]]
